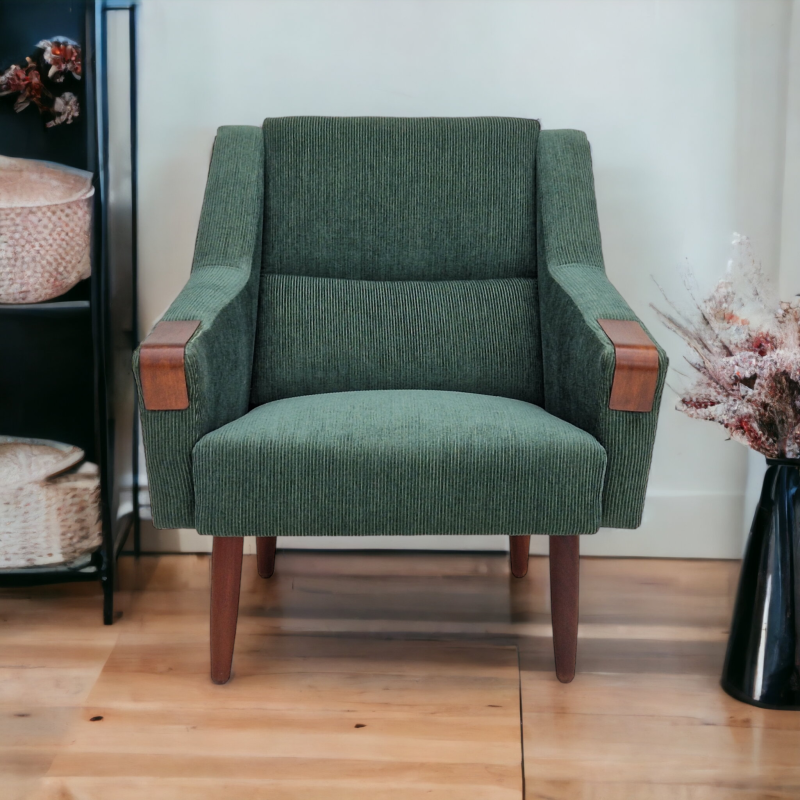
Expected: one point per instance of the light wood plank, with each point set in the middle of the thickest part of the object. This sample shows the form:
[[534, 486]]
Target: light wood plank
[[355, 788], [22, 771], [143, 672], [444, 705], [48, 674], [277, 771], [581, 790], [653, 729]]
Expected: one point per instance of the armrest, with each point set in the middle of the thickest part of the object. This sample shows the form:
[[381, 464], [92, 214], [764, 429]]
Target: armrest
[[635, 365], [162, 372], [603, 372], [194, 369]]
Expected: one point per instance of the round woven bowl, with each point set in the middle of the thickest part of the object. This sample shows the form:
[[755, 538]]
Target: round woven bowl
[[45, 229], [49, 505]]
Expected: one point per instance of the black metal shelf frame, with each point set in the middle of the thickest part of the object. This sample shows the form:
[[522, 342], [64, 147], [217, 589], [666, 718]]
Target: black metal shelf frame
[[111, 346], [118, 527]]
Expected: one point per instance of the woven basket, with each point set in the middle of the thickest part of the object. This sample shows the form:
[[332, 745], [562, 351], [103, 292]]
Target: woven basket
[[49, 506], [45, 229]]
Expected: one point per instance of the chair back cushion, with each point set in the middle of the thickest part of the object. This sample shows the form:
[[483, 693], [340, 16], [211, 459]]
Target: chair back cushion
[[400, 199], [398, 254]]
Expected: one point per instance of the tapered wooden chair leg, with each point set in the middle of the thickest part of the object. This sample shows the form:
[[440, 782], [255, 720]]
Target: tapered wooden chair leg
[[226, 577], [265, 555], [564, 574], [519, 547]]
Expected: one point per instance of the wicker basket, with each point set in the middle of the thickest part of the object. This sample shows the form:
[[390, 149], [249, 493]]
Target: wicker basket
[[49, 506], [45, 229]]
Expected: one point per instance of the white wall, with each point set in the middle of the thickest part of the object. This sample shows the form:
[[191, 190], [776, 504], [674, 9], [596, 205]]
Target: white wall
[[790, 229], [684, 102], [765, 43]]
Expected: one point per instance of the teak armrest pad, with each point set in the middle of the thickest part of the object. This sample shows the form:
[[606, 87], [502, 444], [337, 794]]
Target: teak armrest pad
[[636, 368], [161, 366]]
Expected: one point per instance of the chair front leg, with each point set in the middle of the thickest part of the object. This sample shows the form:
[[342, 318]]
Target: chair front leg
[[564, 575], [519, 547], [265, 555], [226, 578]]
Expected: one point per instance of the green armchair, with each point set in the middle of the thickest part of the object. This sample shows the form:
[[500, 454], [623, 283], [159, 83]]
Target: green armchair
[[398, 326]]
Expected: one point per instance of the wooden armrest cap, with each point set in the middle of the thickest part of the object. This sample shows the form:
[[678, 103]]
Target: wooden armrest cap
[[636, 367], [161, 366]]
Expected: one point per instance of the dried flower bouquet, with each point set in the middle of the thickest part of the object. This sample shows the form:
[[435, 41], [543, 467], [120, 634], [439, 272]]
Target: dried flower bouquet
[[747, 358], [40, 81]]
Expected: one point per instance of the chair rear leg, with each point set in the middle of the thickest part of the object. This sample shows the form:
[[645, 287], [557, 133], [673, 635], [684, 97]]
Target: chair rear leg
[[519, 547], [265, 555], [564, 574], [226, 577]]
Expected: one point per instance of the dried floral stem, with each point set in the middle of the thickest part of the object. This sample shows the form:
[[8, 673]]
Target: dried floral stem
[[748, 350]]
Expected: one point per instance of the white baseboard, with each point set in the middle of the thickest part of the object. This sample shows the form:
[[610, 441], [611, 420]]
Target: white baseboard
[[674, 526]]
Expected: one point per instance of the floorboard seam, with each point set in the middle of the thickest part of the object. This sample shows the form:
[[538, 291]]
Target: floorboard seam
[[521, 725]]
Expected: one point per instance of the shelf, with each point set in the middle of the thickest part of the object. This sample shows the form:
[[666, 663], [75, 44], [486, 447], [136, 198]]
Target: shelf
[[44, 308], [80, 293], [61, 573], [89, 568], [65, 363]]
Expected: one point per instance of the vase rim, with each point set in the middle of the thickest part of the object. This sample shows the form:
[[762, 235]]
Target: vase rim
[[789, 462]]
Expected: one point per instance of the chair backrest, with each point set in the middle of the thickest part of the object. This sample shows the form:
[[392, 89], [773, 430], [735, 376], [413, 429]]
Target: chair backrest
[[398, 254]]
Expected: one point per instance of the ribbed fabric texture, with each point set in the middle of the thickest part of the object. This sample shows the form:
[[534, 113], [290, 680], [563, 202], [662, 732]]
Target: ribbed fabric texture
[[222, 292], [443, 217], [578, 356], [385, 198], [398, 462], [569, 230], [332, 335]]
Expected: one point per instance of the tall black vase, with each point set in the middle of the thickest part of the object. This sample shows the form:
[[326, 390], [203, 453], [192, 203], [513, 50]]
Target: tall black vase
[[762, 666]]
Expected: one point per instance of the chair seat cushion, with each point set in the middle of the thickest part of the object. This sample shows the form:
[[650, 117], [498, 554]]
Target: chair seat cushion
[[406, 462]]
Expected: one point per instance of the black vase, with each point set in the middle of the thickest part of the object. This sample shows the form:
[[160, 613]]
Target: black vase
[[762, 665]]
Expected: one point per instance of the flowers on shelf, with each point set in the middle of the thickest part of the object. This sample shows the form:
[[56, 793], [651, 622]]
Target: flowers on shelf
[[63, 55], [56, 59], [746, 358], [26, 82], [65, 108]]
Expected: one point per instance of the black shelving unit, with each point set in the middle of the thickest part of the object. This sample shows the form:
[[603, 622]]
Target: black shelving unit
[[65, 364]]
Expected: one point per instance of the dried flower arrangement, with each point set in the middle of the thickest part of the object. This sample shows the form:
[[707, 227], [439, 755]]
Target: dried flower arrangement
[[58, 57], [747, 358]]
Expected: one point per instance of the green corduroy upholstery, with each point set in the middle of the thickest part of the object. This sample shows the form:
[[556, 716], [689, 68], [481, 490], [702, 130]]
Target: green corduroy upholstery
[[398, 462], [578, 357], [222, 292], [400, 199], [427, 285], [334, 335]]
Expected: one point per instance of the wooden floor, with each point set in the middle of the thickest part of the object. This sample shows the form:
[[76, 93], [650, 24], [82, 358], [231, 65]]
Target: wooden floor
[[386, 677]]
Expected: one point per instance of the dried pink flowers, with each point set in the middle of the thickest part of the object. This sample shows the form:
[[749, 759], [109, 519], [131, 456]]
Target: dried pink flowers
[[63, 55], [54, 59], [747, 358], [25, 82], [65, 108]]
